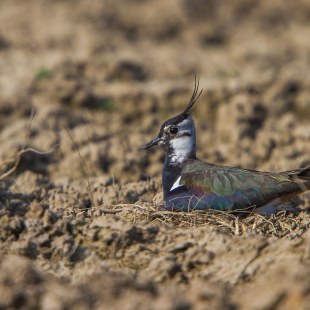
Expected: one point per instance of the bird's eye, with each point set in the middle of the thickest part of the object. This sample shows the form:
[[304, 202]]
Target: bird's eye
[[173, 130]]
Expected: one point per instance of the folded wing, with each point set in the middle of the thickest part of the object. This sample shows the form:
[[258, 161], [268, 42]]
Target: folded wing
[[230, 188]]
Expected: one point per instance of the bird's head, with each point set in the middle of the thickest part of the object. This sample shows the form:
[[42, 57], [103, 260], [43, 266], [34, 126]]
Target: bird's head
[[177, 135]]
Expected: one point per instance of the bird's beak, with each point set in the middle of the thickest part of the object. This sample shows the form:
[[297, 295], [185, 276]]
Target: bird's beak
[[151, 143]]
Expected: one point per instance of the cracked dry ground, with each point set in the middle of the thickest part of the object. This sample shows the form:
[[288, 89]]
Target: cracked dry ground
[[81, 225]]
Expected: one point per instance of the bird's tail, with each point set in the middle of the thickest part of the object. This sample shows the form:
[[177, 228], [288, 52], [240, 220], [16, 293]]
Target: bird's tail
[[305, 172], [300, 176]]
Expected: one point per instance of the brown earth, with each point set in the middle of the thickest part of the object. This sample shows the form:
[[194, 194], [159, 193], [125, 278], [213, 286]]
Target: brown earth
[[79, 225]]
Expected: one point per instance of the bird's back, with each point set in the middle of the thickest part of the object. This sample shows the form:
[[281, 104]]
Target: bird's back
[[207, 186]]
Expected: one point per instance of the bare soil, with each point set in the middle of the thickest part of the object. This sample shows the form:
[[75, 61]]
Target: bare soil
[[81, 224]]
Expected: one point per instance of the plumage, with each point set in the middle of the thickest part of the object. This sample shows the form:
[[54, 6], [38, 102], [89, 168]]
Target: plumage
[[192, 184], [229, 188]]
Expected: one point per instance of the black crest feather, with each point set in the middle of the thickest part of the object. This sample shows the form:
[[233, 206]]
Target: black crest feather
[[194, 97]]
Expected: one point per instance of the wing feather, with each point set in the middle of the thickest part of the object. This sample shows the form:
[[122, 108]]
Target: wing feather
[[239, 186]]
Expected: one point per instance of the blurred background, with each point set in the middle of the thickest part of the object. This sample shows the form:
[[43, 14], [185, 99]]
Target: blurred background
[[113, 71]]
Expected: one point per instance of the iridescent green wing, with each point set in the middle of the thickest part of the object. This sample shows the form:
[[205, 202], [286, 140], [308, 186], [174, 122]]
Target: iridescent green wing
[[236, 186]]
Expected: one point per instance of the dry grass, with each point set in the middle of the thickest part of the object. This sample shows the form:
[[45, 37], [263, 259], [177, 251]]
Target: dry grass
[[279, 225], [9, 165]]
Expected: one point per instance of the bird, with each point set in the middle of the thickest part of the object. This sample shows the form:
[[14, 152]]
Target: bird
[[192, 184]]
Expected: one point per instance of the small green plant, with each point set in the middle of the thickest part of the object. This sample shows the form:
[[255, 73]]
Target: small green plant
[[43, 74], [107, 104]]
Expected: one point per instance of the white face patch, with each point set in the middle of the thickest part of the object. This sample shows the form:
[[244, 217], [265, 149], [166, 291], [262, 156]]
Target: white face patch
[[176, 184], [181, 148], [182, 141]]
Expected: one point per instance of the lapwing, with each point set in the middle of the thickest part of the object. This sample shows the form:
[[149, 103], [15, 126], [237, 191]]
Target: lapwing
[[192, 184]]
